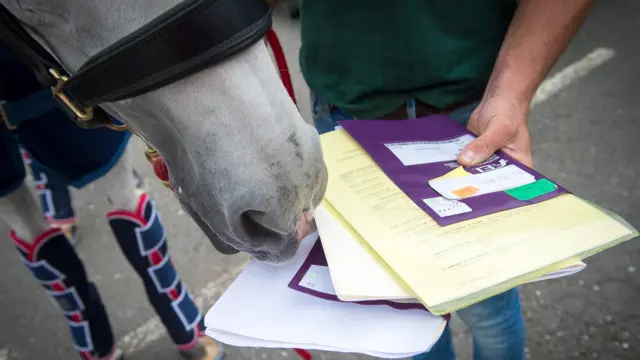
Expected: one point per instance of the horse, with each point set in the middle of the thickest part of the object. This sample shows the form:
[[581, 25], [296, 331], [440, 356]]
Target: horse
[[243, 163]]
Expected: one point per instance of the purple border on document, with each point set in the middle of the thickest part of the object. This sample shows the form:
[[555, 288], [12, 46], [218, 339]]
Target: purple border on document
[[317, 257], [372, 135]]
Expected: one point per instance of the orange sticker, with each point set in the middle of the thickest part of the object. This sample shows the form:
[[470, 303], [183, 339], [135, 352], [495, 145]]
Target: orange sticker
[[465, 192]]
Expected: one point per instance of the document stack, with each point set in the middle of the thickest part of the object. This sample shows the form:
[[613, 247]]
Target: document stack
[[406, 237]]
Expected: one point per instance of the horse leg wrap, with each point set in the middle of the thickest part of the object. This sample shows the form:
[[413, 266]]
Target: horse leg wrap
[[56, 266], [53, 192], [142, 239]]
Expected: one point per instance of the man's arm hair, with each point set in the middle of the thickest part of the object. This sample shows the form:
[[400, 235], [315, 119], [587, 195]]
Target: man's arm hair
[[539, 32]]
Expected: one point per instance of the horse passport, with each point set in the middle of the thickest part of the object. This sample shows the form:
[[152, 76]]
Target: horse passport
[[450, 267], [421, 152]]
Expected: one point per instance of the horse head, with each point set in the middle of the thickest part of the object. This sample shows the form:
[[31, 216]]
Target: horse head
[[243, 163]]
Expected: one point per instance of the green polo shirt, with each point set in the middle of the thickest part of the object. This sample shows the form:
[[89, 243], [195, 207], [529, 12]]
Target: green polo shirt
[[369, 56]]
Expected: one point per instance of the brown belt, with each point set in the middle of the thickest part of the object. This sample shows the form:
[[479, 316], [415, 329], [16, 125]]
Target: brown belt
[[423, 109], [400, 113]]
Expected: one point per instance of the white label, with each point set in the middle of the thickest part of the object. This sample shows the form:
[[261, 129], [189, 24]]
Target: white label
[[445, 207], [501, 179], [427, 152], [318, 278]]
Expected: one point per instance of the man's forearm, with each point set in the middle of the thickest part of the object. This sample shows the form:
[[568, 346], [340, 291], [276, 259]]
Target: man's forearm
[[537, 36]]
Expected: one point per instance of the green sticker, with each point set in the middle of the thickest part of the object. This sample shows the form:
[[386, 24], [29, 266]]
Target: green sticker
[[533, 190]]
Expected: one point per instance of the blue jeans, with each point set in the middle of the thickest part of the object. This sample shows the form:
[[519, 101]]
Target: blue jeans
[[496, 324]]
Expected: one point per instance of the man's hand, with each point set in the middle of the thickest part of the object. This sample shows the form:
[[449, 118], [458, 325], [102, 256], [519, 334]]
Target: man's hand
[[499, 124]]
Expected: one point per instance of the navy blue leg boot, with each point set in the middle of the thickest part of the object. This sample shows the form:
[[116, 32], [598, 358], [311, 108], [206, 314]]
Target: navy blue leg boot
[[55, 197], [142, 239], [56, 266]]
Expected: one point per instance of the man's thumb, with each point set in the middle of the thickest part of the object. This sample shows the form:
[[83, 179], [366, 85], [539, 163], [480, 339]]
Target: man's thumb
[[478, 151]]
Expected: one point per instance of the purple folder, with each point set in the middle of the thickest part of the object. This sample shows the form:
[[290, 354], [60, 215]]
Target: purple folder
[[317, 257], [380, 138]]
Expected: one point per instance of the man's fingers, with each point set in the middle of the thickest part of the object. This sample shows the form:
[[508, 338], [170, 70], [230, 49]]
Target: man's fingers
[[478, 151], [493, 139]]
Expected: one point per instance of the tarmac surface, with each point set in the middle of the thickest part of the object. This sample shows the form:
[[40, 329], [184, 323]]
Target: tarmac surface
[[585, 128]]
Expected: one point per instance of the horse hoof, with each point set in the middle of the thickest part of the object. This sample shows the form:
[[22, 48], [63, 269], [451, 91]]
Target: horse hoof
[[205, 349]]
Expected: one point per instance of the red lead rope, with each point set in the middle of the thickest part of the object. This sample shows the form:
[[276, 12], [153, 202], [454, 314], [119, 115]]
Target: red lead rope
[[303, 354], [281, 62]]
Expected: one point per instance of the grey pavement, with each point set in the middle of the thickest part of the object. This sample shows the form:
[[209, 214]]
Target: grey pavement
[[585, 137]]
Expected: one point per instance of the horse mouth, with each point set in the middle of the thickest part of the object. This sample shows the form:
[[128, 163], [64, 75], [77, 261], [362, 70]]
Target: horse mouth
[[260, 254], [215, 240]]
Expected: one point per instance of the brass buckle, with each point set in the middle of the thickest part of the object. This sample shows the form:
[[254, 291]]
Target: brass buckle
[[4, 117], [150, 153], [115, 127], [81, 114]]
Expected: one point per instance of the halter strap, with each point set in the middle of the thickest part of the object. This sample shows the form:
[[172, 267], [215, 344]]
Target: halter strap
[[184, 40]]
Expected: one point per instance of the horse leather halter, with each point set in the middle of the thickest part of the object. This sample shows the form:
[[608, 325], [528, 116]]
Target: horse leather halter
[[161, 52], [156, 55]]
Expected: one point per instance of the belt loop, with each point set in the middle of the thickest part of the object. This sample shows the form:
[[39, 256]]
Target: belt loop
[[411, 108]]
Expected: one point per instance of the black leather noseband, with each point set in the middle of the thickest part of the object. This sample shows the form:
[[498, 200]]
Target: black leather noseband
[[188, 38]]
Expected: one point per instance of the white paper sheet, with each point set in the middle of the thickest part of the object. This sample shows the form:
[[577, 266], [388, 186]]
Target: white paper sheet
[[571, 270], [355, 273], [445, 207], [259, 310], [427, 152], [318, 279]]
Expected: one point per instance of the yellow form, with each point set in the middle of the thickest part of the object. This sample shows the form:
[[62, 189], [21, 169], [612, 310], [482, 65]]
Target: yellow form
[[453, 266]]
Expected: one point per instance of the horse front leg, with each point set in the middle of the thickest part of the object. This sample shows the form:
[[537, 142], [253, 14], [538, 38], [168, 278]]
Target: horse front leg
[[137, 227], [55, 265]]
